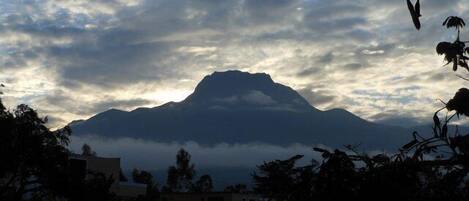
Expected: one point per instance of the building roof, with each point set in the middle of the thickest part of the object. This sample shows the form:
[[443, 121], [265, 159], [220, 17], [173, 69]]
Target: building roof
[[83, 157]]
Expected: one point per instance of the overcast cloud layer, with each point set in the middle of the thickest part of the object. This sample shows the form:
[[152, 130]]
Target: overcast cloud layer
[[72, 59]]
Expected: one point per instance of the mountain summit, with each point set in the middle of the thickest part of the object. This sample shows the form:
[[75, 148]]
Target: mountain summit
[[240, 107], [242, 90]]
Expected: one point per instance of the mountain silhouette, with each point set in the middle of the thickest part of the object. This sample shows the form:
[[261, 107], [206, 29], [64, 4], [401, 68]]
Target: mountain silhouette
[[240, 107]]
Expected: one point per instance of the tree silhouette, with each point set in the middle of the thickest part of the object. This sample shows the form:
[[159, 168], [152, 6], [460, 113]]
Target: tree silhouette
[[204, 184], [454, 52], [34, 158], [281, 180], [144, 177], [180, 176], [454, 22], [96, 187], [35, 162], [238, 188], [87, 151], [122, 176]]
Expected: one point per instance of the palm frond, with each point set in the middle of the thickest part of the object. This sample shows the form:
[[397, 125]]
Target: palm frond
[[454, 22]]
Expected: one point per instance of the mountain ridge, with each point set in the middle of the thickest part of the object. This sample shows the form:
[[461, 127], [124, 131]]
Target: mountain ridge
[[240, 107]]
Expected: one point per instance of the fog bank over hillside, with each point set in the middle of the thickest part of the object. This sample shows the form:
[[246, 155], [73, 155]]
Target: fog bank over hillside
[[152, 155]]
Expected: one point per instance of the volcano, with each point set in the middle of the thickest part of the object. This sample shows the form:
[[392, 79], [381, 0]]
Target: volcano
[[237, 107]]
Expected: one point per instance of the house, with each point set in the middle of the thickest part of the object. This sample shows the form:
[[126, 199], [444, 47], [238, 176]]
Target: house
[[110, 167], [210, 196]]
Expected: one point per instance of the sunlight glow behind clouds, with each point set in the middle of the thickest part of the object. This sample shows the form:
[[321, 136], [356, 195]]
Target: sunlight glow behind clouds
[[72, 59]]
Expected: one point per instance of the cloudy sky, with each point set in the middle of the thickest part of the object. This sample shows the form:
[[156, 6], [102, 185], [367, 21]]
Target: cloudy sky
[[72, 59]]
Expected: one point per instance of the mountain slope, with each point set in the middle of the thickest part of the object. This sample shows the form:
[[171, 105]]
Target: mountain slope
[[239, 107]]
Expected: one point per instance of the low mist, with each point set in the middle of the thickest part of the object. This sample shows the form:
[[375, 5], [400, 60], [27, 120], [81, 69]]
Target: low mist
[[152, 155]]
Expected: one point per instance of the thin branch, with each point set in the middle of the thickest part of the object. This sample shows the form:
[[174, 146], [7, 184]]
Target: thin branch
[[8, 183], [442, 101], [462, 77], [447, 120]]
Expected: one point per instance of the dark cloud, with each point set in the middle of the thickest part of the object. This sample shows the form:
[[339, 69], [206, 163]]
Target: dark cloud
[[333, 18], [327, 58], [112, 64], [130, 103], [353, 66], [393, 118], [61, 103], [309, 71], [267, 11], [316, 98]]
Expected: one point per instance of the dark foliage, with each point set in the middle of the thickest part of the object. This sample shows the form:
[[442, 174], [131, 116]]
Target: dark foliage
[[87, 151], [459, 102], [282, 180], [204, 184], [34, 157], [415, 13], [144, 177], [122, 177], [36, 163], [353, 176], [454, 52], [454, 22], [426, 168], [180, 176], [238, 188], [96, 187]]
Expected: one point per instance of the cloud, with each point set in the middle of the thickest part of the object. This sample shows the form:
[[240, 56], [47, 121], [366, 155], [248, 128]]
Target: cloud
[[230, 100], [395, 119], [151, 155], [352, 66], [259, 98], [317, 98], [71, 59]]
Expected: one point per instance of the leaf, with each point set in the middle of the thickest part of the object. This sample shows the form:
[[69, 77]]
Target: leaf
[[417, 8], [414, 14], [454, 21], [414, 134], [444, 23], [444, 131], [435, 132], [380, 158], [436, 121], [320, 150], [455, 64], [443, 47], [463, 63], [410, 144]]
